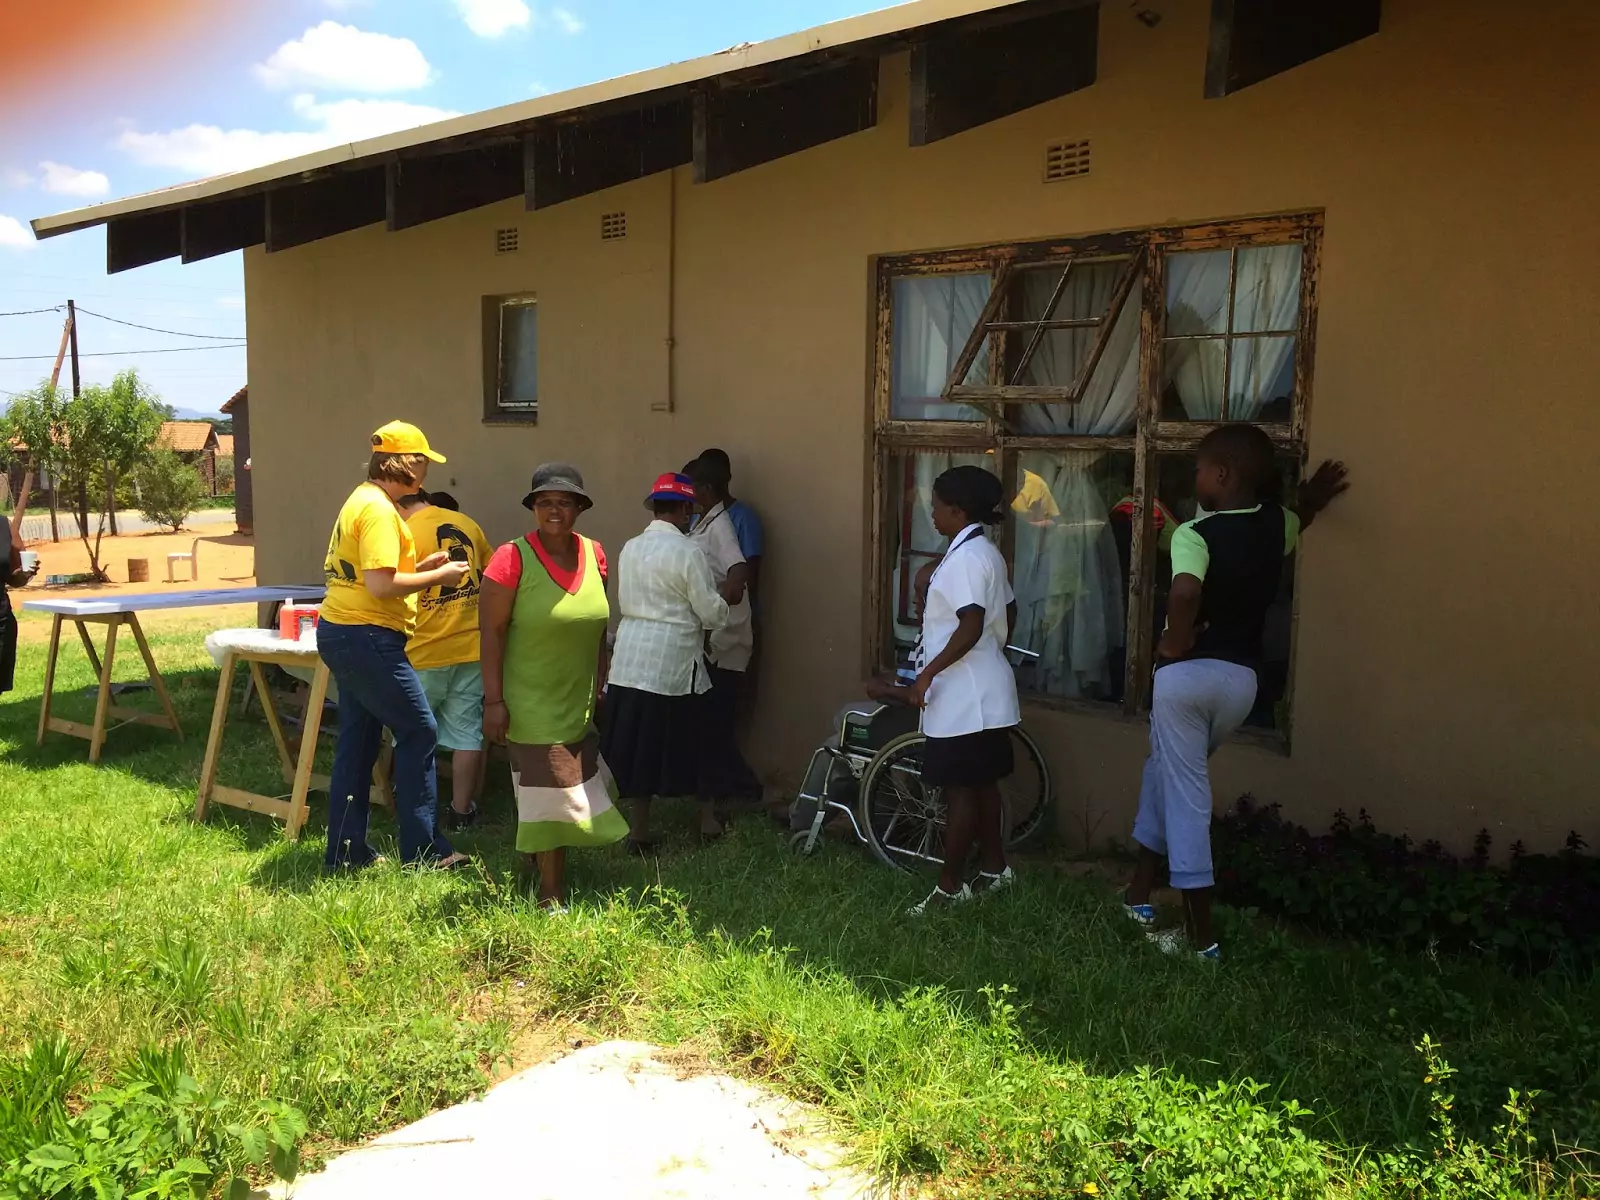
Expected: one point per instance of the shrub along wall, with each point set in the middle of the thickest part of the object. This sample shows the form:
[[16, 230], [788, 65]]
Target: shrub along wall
[[1532, 912]]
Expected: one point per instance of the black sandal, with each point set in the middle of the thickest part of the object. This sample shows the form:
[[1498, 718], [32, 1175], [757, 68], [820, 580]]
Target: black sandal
[[640, 849]]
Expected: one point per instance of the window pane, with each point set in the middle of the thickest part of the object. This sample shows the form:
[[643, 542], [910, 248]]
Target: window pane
[[1071, 571], [1110, 403], [1191, 385], [1176, 489], [1197, 293], [1266, 289], [1261, 383], [519, 355], [932, 319], [916, 542]]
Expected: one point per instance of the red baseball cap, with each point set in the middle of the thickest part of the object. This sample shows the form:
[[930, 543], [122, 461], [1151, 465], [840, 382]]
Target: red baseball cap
[[671, 485]]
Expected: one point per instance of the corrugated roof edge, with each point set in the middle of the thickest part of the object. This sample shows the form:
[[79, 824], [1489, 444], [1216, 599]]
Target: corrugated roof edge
[[884, 22]]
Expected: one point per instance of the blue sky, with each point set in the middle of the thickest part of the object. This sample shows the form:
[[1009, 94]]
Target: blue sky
[[292, 76]]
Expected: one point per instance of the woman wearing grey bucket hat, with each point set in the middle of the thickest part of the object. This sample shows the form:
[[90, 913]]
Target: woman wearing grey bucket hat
[[542, 623]]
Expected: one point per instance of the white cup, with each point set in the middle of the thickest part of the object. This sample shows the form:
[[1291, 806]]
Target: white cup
[[29, 561]]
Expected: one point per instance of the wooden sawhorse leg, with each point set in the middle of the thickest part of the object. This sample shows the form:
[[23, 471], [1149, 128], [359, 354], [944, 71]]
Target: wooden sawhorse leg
[[105, 707]]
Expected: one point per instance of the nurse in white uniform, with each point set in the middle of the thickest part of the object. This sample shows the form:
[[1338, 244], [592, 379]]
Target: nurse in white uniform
[[965, 686]]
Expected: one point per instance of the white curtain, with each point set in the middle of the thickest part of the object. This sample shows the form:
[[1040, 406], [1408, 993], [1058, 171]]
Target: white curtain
[[1110, 402], [1068, 578], [1266, 299], [1067, 575], [932, 319]]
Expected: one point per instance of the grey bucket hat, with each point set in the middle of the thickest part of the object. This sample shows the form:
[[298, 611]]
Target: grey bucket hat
[[557, 477]]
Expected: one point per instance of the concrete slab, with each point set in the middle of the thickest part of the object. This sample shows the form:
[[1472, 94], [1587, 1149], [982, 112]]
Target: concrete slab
[[610, 1122]]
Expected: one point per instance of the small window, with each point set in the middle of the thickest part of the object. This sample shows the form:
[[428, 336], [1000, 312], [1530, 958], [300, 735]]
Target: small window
[[1066, 160], [506, 241], [511, 358], [613, 226]]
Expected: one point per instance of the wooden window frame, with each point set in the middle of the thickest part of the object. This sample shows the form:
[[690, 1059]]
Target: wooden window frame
[[495, 411], [1150, 438]]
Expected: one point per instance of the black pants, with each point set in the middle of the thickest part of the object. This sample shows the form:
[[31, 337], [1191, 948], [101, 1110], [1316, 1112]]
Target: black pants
[[722, 771], [8, 642]]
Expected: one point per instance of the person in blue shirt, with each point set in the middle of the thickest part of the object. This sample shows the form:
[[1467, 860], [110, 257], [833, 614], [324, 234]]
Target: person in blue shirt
[[714, 472], [752, 538]]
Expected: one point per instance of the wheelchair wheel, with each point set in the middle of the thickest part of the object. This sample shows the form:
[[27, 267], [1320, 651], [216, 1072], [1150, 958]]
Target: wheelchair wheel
[[904, 819], [1026, 792]]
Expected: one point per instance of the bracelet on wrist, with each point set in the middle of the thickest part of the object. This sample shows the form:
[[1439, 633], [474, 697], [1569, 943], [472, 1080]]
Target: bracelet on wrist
[[492, 703]]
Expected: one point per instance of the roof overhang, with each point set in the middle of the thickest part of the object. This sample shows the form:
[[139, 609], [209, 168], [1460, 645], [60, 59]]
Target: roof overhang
[[972, 61]]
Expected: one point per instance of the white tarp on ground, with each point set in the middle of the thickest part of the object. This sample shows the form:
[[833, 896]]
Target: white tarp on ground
[[611, 1122]]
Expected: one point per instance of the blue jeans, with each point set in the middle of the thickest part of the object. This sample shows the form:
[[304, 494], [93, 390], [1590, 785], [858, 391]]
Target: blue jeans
[[378, 689]]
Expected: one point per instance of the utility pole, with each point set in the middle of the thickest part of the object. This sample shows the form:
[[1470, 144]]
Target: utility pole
[[33, 473], [69, 335], [83, 486]]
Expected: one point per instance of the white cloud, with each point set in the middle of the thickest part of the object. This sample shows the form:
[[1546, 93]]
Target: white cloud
[[230, 301], [16, 177], [209, 150], [538, 89], [61, 180], [14, 234], [566, 21], [491, 18], [342, 57]]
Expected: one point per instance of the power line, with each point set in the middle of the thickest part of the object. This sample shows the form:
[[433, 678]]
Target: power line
[[217, 337], [28, 312], [119, 353]]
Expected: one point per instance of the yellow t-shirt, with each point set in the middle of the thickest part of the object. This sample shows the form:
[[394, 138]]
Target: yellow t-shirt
[[369, 535], [1034, 501], [447, 618]]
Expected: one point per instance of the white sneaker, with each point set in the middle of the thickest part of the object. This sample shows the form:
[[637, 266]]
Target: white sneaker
[[1176, 941], [989, 881], [939, 898]]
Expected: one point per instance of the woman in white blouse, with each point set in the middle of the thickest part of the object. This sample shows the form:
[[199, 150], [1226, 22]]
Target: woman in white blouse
[[668, 600], [965, 686]]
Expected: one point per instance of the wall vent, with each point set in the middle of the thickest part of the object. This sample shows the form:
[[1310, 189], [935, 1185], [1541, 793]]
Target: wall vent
[[1066, 160], [613, 226], [505, 241]]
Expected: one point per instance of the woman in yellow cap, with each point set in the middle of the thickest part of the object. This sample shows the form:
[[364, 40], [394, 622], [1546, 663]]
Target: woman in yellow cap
[[373, 578]]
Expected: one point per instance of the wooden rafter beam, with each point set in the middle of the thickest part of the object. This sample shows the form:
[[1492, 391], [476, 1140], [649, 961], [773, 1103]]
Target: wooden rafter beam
[[575, 158], [425, 188], [739, 127], [1252, 40], [143, 238], [965, 77], [207, 230], [319, 208]]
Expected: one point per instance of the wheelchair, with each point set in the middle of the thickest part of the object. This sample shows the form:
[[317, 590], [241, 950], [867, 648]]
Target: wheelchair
[[870, 774]]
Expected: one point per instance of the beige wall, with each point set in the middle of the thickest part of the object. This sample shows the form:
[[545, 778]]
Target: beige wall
[[1446, 672]]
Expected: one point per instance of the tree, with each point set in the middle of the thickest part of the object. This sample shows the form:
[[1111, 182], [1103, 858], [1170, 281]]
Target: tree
[[32, 424], [169, 489], [225, 477], [103, 433]]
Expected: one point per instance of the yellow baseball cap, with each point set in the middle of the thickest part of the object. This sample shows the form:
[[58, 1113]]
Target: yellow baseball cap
[[398, 437]]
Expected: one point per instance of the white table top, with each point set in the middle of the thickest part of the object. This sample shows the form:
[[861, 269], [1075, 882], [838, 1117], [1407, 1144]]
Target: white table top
[[262, 641], [104, 606]]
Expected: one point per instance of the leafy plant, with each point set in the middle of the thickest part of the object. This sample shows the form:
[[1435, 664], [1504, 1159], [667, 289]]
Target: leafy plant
[[155, 1134], [1354, 881], [169, 489]]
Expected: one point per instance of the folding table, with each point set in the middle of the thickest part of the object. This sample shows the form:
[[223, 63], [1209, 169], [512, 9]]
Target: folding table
[[258, 648], [114, 612]]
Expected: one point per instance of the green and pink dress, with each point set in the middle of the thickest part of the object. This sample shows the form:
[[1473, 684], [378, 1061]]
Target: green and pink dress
[[565, 793]]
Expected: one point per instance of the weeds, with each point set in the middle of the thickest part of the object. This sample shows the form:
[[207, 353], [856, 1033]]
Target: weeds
[[179, 1003]]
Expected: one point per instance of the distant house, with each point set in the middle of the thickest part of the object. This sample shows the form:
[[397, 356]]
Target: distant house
[[195, 442], [238, 407]]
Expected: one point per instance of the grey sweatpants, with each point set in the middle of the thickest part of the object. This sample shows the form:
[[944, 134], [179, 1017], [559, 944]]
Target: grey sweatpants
[[1195, 706]]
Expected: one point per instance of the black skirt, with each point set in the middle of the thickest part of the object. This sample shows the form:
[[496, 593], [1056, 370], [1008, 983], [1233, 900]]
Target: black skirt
[[969, 760], [649, 742]]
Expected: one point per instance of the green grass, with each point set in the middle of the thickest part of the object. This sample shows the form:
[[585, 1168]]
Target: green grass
[[1032, 1045]]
